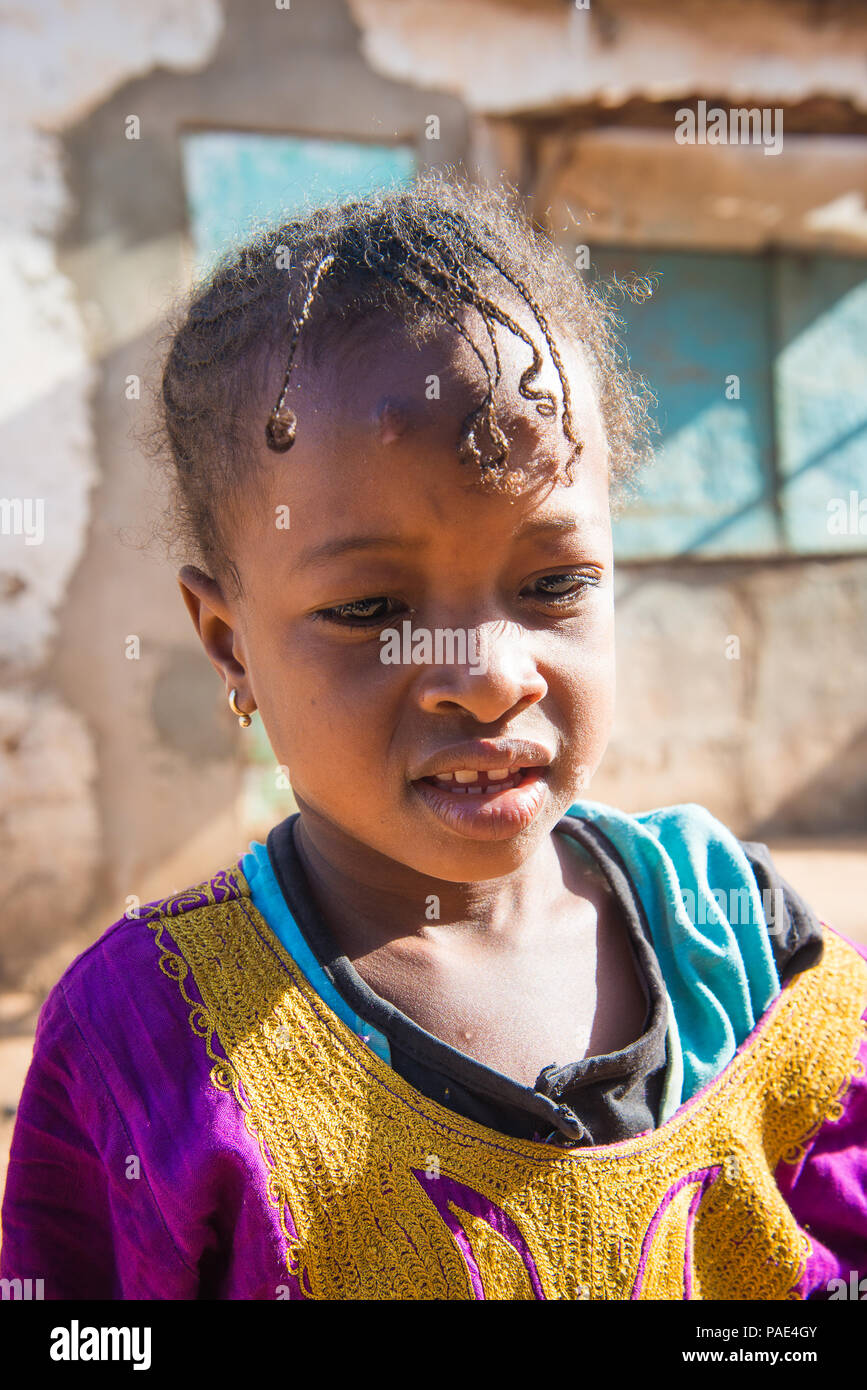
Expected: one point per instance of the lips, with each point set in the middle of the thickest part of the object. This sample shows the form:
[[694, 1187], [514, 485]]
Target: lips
[[498, 756], [486, 790]]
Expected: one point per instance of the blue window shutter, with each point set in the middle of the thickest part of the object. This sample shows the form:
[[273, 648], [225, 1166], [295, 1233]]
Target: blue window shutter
[[821, 400], [237, 181], [711, 490]]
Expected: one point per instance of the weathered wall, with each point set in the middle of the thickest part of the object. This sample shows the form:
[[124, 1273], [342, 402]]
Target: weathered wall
[[768, 731], [639, 187], [510, 56], [57, 63]]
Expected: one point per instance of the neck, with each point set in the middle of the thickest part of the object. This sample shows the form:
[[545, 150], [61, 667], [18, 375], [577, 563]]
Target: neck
[[368, 900]]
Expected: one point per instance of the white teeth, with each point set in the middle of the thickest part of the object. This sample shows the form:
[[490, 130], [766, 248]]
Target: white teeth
[[466, 780]]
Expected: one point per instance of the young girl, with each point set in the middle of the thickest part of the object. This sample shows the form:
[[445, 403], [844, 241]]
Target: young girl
[[453, 1032]]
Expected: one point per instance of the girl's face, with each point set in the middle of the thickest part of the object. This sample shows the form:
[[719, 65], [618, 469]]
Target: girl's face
[[505, 602]]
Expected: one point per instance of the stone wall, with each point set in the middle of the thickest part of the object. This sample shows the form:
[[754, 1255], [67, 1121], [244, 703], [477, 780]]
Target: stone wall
[[58, 63], [767, 730]]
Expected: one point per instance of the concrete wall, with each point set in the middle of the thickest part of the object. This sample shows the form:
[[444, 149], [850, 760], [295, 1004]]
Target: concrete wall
[[504, 57], [768, 730], [58, 63], [123, 773]]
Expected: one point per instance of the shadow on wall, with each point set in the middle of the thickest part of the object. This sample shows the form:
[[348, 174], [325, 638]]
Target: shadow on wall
[[840, 781]]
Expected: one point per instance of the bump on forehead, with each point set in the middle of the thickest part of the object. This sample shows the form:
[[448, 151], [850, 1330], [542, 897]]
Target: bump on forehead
[[393, 417], [358, 355]]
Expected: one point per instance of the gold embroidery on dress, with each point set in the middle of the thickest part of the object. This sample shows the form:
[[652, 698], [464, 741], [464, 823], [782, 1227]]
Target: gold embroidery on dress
[[690, 1210]]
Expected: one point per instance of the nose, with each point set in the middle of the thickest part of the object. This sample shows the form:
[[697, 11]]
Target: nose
[[500, 677]]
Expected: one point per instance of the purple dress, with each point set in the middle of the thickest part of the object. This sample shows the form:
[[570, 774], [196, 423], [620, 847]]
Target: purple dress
[[135, 1172]]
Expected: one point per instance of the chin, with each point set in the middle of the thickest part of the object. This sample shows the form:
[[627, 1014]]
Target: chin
[[459, 858]]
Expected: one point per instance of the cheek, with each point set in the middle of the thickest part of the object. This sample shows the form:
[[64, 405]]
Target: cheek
[[584, 686], [589, 701], [325, 712], [586, 652]]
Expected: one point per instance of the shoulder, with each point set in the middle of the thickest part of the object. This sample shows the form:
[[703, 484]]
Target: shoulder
[[686, 848], [686, 831], [680, 859], [728, 932], [123, 1142], [126, 983]]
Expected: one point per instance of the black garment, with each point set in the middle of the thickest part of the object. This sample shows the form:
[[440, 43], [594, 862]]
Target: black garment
[[795, 933], [597, 1100]]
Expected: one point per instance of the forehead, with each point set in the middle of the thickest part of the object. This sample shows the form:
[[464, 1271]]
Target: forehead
[[380, 414], [433, 379]]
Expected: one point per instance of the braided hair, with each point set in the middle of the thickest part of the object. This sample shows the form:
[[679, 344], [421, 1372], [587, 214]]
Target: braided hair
[[417, 255]]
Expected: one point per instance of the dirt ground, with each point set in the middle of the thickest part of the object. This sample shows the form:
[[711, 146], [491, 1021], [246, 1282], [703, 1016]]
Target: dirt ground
[[832, 876]]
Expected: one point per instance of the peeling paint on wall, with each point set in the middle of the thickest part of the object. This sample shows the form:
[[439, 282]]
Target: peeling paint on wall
[[501, 57], [58, 61]]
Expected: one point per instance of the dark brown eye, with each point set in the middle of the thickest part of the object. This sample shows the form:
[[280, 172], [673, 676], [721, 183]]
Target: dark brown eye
[[358, 612], [562, 587]]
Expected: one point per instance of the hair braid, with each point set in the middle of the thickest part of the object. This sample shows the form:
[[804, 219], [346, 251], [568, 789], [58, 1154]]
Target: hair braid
[[522, 289], [282, 422], [467, 448], [418, 255]]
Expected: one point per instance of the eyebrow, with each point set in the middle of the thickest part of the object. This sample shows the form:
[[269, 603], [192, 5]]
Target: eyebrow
[[563, 525], [346, 545]]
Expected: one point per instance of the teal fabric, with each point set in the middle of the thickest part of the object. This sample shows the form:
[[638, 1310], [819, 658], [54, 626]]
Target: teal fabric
[[709, 932], [268, 899]]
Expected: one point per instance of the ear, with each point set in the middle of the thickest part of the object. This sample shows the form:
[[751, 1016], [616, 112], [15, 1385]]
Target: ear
[[215, 620]]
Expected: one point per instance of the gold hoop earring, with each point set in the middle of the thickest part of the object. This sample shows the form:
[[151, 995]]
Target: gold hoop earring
[[243, 719]]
